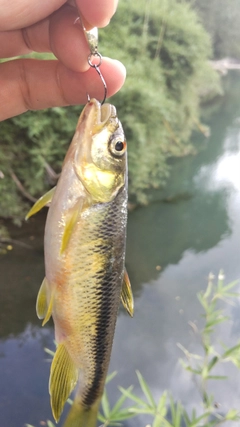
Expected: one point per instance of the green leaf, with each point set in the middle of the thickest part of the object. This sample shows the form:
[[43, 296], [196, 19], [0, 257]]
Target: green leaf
[[146, 390], [47, 350], [110, 377], [101, 418], [232, 414], [160, 422], [137, 410], [231, 285], [123, 415], [133, 397], [202, 301], [120, 401], [161, 409], [176, 412], [231, 351], [208, 291], [212, 363], [217, 377], [105, 405], [216, 321]]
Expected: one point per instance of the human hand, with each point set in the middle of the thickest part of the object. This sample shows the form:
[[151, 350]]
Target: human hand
[[50, 26]]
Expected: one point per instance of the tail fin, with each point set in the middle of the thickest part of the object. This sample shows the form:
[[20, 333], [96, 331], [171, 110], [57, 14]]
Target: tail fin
[[81, 416]]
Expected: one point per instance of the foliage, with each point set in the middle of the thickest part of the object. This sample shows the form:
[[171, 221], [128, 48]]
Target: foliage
[[29, 145], [221, 19], [166, 412], [166, 53]]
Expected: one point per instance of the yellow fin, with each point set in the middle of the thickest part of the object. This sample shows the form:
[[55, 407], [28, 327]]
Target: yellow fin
[[42, 306], [126, 295], [49, 311], [71, 220], [63, 378], [44, 310], [40, 203]]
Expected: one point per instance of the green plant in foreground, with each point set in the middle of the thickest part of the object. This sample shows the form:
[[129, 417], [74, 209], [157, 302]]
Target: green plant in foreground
[[201, 366], [165, 412]]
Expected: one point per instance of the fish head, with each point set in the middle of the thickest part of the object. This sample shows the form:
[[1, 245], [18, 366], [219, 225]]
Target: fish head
[[100, 158]]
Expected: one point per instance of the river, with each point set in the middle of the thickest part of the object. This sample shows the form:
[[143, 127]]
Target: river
[[191, 228]]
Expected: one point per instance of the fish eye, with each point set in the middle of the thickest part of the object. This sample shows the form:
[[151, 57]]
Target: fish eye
[[117, 147]]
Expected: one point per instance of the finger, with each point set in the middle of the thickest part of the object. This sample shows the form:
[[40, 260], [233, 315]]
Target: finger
[[67, 39], [60, 34], [17, 14], [97, 13], [28, 84]]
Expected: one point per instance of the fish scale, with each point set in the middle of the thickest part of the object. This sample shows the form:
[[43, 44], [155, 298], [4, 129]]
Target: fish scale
[[107, 288]]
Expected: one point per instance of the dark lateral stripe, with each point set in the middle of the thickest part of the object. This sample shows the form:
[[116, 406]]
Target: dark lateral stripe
[[101, 350], [106, 320]]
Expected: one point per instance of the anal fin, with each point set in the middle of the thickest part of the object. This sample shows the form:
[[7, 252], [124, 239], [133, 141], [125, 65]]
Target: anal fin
[[40, 203], [63, 379], [126, 295]]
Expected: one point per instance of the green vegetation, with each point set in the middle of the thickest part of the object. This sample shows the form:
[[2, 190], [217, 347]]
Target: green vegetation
[[166, 51], [221, 19], [166, 412]]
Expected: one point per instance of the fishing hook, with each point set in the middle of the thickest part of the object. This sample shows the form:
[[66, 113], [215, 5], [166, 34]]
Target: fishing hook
[[96, 66], [92, 39]]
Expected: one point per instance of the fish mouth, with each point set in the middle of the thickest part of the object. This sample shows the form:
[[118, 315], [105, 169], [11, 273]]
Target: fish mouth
[[100, 115], [105, 113]]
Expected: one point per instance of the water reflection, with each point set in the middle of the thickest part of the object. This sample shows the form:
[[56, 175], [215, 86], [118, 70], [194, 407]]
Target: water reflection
[[187, 238], [21, 273], [24, 377]]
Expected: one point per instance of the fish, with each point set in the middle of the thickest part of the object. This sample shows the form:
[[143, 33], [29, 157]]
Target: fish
[[84, 251]]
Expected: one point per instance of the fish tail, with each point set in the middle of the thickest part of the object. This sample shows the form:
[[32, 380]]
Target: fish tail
[[63, 378], [82, 416]]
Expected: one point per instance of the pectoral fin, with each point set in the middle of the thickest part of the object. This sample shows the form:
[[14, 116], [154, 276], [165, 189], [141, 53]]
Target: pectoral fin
[[40, 203], [44, 310], [126, 295], [63, 378], [71, 220]]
